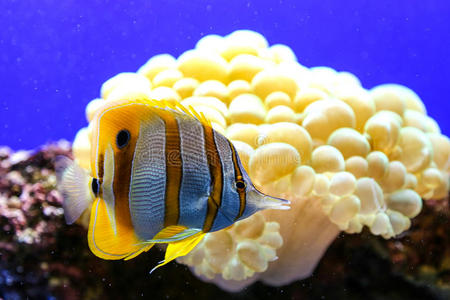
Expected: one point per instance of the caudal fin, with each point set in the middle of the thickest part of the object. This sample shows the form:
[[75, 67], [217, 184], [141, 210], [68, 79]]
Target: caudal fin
[[73, 183]]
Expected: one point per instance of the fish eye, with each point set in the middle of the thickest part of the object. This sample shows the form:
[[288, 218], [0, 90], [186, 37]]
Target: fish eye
[[122, 138], [95, 186], [240, 184]]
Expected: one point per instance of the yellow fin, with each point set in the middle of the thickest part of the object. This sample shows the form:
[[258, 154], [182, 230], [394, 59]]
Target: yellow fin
[[169, 232], [104, 242], [176, 106], [172, 234], [160, 104], [180, 248]]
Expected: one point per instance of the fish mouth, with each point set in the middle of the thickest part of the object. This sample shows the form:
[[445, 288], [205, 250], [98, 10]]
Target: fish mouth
[[264, 201], [276, 203]]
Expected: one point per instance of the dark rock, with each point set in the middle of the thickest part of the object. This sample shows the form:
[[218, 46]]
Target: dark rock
[[43, 258]]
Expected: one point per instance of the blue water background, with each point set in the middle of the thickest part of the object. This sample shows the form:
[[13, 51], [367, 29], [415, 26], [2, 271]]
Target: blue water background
[[55, 54]]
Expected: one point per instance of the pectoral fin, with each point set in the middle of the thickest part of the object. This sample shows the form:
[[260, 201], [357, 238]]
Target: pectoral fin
[[167, 235], [173, 234], [180, 248]]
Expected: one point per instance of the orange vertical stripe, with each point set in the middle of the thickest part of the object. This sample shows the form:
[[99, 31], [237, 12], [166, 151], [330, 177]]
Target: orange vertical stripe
[[215, 167], [121, 184], [174, 169]]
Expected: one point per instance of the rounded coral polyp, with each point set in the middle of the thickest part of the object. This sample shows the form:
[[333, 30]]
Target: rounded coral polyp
[[345, 157]]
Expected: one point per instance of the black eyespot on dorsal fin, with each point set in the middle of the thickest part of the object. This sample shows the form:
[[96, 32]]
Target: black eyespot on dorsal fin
[[123, 138]]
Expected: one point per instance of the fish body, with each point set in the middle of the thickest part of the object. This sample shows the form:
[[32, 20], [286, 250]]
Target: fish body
[[159, 174]]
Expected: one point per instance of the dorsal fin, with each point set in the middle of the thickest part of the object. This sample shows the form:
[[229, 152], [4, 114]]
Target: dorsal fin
[[175, 106], [162, 104]]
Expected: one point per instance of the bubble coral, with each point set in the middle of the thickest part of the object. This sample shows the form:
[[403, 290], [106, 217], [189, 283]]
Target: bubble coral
[[346, 157]]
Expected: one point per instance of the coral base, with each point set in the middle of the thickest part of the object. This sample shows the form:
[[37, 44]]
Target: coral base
[[310, 235]]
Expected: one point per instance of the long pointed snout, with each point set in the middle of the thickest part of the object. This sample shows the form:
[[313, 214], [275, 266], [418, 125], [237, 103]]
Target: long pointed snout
[[263, 201]]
